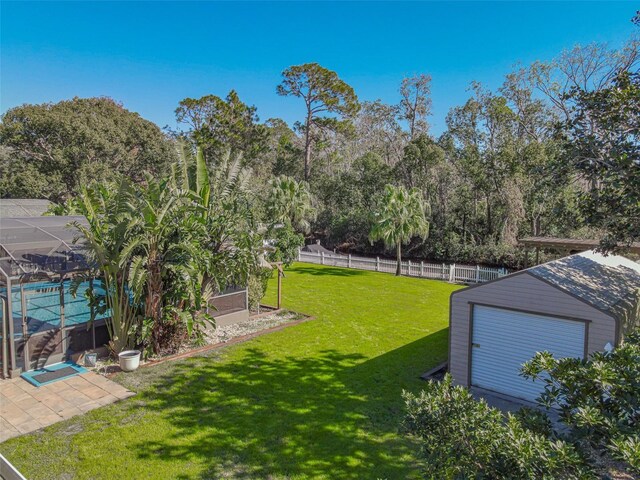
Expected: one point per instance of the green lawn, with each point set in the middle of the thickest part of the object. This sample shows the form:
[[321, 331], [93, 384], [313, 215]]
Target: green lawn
[[317, 400]]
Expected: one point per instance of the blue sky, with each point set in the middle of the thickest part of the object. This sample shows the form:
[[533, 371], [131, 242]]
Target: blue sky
[[149, 56]]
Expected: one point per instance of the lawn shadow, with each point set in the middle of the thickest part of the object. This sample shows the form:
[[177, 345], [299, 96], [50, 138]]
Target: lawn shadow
[[332, 415], [394, 371], [324, 271]]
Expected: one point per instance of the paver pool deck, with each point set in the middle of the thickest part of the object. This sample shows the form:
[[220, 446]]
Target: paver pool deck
[[25, 408]]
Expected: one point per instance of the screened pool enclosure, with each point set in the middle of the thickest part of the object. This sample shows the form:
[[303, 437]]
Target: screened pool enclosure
[[42, 322]]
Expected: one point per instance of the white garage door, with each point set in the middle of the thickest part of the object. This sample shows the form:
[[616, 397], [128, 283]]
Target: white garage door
[[503, 340]]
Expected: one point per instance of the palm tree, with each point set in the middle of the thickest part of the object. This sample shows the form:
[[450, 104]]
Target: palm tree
[[401, 216], [290, 202]]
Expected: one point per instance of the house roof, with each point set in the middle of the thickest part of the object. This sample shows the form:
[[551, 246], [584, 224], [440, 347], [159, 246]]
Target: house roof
[[23, 207], [611, 284]]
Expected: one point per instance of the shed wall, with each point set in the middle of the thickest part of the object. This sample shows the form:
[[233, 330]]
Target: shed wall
[[524, 292]]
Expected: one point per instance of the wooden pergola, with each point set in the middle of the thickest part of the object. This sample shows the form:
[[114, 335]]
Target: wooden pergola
[[564, 245]]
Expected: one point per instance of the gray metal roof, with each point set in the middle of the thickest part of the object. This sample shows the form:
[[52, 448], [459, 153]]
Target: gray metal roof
[[611, 284], [23, 207], [575, 244], [40, 244]]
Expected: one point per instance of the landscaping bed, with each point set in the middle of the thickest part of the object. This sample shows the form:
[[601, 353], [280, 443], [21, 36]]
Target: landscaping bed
[[257, 323], [269, 320]]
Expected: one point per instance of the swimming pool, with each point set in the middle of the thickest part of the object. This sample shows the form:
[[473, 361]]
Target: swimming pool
[[44, 305]]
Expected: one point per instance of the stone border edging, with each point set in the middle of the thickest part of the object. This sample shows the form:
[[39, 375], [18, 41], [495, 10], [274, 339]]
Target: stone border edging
[[233, 341]]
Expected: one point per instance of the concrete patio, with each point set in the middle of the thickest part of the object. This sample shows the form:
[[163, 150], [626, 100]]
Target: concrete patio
[[25, 408]]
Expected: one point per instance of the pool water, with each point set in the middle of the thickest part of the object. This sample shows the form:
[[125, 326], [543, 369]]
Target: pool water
[[43, 305]]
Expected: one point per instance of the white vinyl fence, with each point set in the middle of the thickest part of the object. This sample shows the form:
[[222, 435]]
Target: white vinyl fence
[[440, 271]]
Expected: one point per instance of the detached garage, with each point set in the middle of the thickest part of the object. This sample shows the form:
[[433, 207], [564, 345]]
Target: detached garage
[[570, 307]]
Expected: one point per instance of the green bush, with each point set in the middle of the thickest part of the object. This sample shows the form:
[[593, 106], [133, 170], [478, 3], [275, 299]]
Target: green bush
[[286, 242], [598, 398], [461, 437], [258, 286]]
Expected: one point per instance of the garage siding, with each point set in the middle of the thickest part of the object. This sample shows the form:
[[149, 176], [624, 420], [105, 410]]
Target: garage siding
[[523, 292]]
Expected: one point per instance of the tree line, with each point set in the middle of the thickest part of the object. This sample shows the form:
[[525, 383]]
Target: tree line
[[553, 151]]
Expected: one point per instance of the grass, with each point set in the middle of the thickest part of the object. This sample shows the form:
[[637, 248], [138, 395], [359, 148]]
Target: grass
[[317, 400]]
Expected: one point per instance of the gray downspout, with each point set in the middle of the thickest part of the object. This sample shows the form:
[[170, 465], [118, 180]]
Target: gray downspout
[[5, 335], [8, 340], [5, 368]]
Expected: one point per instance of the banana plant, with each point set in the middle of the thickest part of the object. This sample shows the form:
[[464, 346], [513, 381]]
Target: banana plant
[[231, 239], [107, 209]]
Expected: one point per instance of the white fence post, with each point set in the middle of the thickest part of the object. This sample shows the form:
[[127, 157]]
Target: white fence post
[[409, 267], [377, 264], [444, 269], [452, 273], [349, 261], [477, 273], [422, 269], [322, 260]]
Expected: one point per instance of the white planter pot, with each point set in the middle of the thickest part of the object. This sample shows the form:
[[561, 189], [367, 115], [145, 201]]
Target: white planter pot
[[129, 360]]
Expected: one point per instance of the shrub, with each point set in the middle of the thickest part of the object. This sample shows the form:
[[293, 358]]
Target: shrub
[[598, 398], [286, 242], [258, 286], [461, 437], [168, 334]]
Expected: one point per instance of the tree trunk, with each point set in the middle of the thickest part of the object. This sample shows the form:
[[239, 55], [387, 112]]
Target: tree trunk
[[307, 148], [399, 259], [413, 117], [489, 219], [153, 303], [535, 225], [464, 228]]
